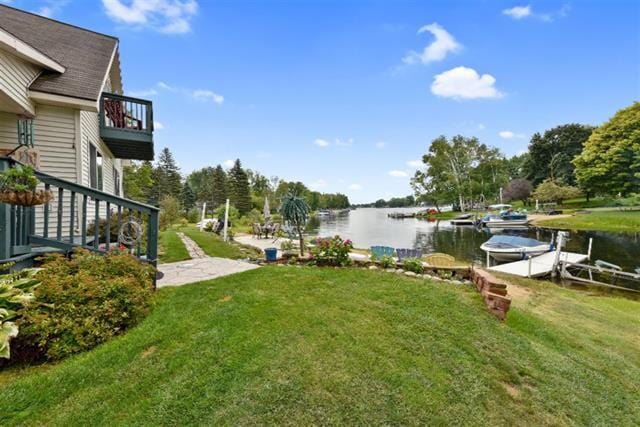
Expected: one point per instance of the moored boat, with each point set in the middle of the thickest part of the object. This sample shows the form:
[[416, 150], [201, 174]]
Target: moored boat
[[464, 219], [512, 248]]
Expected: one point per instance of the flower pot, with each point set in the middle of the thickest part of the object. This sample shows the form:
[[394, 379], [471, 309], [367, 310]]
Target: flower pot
[[26, 198]]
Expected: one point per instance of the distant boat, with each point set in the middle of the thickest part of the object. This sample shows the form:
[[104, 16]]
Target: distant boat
[[464, 219], [323, 213], [512, 248], [401, 215]]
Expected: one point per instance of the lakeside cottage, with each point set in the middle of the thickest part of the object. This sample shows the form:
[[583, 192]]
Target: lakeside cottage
[[62, 110]]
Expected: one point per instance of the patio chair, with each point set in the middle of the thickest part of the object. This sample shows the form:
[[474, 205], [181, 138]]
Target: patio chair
[[119, 117], [378, 252], [256, 230], [440, 260], [408, 253]]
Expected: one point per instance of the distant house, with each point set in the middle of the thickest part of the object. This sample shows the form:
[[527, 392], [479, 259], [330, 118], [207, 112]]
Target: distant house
[[62, 110]]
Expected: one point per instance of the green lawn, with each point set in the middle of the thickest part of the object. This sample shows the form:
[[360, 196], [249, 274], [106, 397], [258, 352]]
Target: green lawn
[[171, 247], [602, 220], [286, 345], [213, 245]]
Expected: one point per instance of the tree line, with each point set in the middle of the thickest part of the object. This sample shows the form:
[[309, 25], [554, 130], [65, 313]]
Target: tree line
[[162, 184], [561, 163]]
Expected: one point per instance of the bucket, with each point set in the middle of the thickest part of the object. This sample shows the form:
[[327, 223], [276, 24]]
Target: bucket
[[271, 254]]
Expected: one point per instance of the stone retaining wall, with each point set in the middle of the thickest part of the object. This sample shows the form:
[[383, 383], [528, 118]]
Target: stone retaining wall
[[494, 292]]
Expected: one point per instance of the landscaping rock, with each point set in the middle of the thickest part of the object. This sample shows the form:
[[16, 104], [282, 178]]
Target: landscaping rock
[[390, 270], [373, 267], [410, 274], [399, 271]]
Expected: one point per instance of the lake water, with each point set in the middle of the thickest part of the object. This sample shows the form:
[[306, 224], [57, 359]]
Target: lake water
[[367, 227]]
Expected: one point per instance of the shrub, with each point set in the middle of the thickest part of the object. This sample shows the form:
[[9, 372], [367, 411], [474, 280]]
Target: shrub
[[334, 251], [169, 211], [193, 215], [387, 261], [16, 291], [233, 212], [552, 191], [81, 302], [413, 264]]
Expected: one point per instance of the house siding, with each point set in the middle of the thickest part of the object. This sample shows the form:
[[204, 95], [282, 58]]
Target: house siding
[[15, 77]]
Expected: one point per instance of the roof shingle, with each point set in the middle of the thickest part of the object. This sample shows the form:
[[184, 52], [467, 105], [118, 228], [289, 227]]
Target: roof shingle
[[85, 54]]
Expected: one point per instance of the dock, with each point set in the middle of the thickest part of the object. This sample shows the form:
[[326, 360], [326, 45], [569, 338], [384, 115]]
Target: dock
[[539, 266]]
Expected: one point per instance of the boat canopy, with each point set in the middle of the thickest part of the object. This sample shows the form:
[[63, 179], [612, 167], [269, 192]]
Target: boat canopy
[[512, 242], [500, 206]]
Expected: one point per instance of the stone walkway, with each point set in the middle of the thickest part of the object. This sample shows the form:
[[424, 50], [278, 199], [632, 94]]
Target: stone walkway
[[200, 267]]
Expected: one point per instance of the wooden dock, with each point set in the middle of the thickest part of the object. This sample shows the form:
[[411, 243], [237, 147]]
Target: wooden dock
[[539, 266]]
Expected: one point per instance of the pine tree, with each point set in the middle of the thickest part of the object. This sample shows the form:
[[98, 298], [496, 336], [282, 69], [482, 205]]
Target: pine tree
[[240, 191], [188, 197], [166, 176], [219, 188]]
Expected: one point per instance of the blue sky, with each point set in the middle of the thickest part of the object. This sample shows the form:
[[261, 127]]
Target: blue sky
[[346, 95]]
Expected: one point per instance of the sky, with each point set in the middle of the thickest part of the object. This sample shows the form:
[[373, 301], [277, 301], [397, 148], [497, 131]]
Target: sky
[[346, 96]]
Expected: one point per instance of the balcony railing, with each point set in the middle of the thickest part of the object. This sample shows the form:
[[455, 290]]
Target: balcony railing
[[126, 126]]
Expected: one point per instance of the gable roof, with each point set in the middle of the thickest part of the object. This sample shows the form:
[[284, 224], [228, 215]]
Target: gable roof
[[85, 55]]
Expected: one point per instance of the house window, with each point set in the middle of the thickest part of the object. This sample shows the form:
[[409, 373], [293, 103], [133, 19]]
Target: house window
[[116, 181], [95, 167]]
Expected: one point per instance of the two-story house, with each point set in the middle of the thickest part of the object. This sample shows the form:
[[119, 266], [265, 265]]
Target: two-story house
[[62, 110]]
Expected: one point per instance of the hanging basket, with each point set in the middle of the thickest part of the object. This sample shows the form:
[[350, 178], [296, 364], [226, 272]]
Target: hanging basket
[[26, 198]]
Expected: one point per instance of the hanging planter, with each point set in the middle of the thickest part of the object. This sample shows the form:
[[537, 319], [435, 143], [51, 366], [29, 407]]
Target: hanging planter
[[18, 187]]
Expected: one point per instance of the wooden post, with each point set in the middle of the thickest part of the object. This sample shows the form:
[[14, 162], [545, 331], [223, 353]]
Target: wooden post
[[488, 260], [529, 271], [226, 220], [589, 251], [5, 221], [204, 211], [556, 260]]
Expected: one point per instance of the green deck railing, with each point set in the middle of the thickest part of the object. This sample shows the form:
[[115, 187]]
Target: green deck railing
[[66, 221]]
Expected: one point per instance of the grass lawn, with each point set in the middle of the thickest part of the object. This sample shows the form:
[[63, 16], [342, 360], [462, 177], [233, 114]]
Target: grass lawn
[[213, 245], [171, 247], [304, 346], [602, 220]]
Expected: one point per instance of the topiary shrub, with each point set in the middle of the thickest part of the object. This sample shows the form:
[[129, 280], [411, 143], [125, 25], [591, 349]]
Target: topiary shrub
[[413, 264], [81, 302]]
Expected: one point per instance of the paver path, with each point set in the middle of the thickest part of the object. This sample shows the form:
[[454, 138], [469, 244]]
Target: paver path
[[201, 267], [194, 250]]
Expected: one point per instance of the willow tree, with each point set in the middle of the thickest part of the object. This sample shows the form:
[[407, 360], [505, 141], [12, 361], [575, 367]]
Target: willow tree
[[295, 211]]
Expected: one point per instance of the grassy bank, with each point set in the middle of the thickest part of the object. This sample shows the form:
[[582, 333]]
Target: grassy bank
[[171, 247], [601, 220], [324, 346], [213, 245]]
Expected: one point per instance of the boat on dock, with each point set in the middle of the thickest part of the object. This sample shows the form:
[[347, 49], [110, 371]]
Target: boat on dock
[[499, 221], [464, 219], [401, 215], [511, 248]]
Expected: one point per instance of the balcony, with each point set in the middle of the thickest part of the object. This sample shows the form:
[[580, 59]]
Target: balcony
[[126, 126]]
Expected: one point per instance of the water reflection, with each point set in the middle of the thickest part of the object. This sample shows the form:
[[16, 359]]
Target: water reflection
[[370, 226]]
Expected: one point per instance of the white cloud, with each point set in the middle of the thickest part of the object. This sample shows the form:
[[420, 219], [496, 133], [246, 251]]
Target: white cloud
[[518, 12], [321, 142], [50, 7], [318, 184], [157, 125], [464, 83], [380, 145], [143, 93], [398, 174], [414, 164], [481, 126], [443, 44], [355, 187], [228, 164], [163, 85], [507, 134], [165, 16], [207, 95]]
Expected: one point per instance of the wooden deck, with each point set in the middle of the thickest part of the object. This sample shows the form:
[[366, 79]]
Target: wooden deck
[[540, 266]]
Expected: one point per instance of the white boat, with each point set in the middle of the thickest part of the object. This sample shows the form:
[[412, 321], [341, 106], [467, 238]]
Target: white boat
[[465, 219], [513, 248], [324, 213], [498, 221]]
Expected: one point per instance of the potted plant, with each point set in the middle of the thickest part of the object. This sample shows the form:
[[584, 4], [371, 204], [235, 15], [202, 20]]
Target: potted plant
[[18, 187]]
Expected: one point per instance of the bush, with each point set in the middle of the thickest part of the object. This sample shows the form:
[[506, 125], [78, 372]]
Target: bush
[[169, 211], [233, 212], [16, 291], [193, 216], [387, 261], [552, 191], [82, 302], [413, 264], [334, 251]]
